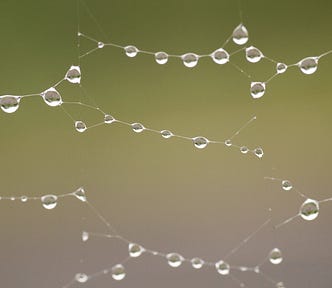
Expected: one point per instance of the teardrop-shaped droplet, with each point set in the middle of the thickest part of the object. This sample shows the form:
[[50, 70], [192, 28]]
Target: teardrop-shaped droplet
[[220, 56], [244, 149], [80, 194], [101, 45], [49, 201], [166, 134], [308, 65], [135, 250], [197, 263], [137, 127], [9, 103], [118, 272], [80, 126], [286, 185], [257, 89], [281, 68], [52, 97], [74, 75], [161, 57], [131, 51], [275, 256], [85, 236], [253, 54], [222, 267], [259, 152], [228, 143], [190, 59], [108, 119], [24, 198], [174, 259], [200, 142], [81, 277], [240, 35], [309, 209]]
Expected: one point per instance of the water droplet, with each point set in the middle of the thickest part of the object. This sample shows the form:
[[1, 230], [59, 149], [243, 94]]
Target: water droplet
[[137, 127], [309, 209], [108, 119], [85, 236], [74, 75], [52, 97], [12, 198], [257, 270], [286, 185], [161, 57], [80, 194], [275, 256], [131, 51], [49, 201], [257, 89], [244, 149], [80, 126], [9, 104], [118, 272], [101, 45], [197, 263], [24, 198], [240, 35], [166, 134], [228, 143], [253, 54], [280, 285], [259, 152], [135, 250], [174, 259], [308, 65], [281, 68], [222, 267], [190, 60], [81, 277], [200, 142], [220, 56]]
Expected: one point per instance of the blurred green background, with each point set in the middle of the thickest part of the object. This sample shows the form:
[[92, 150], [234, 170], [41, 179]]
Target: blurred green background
[[165, 194]]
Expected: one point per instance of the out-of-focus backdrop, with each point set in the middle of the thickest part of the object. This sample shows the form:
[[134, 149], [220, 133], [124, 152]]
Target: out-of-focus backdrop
[[165, 194]]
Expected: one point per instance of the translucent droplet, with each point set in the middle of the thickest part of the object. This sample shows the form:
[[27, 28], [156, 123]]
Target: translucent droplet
[[257, 270], [137, 127], [80, 194], [108, 119], [244, 149], [222, 267], [197, 263], [220, 56], [131, 51], [240, 35], [257, 89], [275, 256], [253, 54], [309, 209], [52, 97], [74, 75], [81, 277], [49, 201], [174, 259], [281, 68], [9, 104], [118, 272], [280, 285], [190, 60], [101, 45], [286, 185], [135, 250], [309, 65], [24, 198], [259, 152], [80, 126], [228, 143], [161, 57], [85, 236], [166, 134], [200, 142]]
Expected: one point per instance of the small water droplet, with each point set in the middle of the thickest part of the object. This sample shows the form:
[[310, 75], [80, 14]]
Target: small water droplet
[[49, 201], [108, 119], [222, 267], [24, 198], [240, 35], [280, 285], [74, 75], [118, 272], [257, 270], [161, 57], [281, 68], [12, 198], [200, 142], [259, 152], [220, 56], [253, 54], [174, 259], [135, 250], [197, 263], [275, 256], [52, 97], [131, 51], [137, 127], [80, 194], [257, 89], [190, 60], [85, 236], [9, 103], [81, 277], [166, 134], [308, 65], [101, 45], [244, 149], [286, 185], [80, 126], [309, 209], [228, 143]]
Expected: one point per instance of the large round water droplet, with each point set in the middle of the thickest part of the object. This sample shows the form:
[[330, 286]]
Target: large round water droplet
[[281, 68], [166, 134], [228, 143], [81, 277], [197, 263], [74, 75], [80, 194], [101, 45], [240, 35], [108, 119], [161, 57], [253, 54], [259, 152], [174, 259], [9, 104], [220, 56], [222, 267], [275, 256], [257, 89], [80, 126], [286, 185], [131, 51], [190, 59], [200, 142], [52, 97], [49, 201], [135, 250], [309, 209], [244, 149], [118, 272], [137, 127], [85, 236], [308, 65]]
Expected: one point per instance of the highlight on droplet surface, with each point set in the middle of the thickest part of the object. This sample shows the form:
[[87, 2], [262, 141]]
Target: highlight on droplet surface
[[197, 263], [244, 149], [220, 56], [9, 103], [74, 75], [253, 54], [49, 201], [257, 89], [286, 185], [309, 209], [24, 198], [80, 194], [131, 51], [308, 65], [222, 267], [101, 45], [108, 119], [80, 126], [137, 127], [228, 142], [166, 134], [275, 256], [85, 236], [259, 152], [118, 272], [190, 59], [200, 142], [81, 277], [52, 97], [281, 68], [240, 35], [174, 259], [161, 57], [135, 250]]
